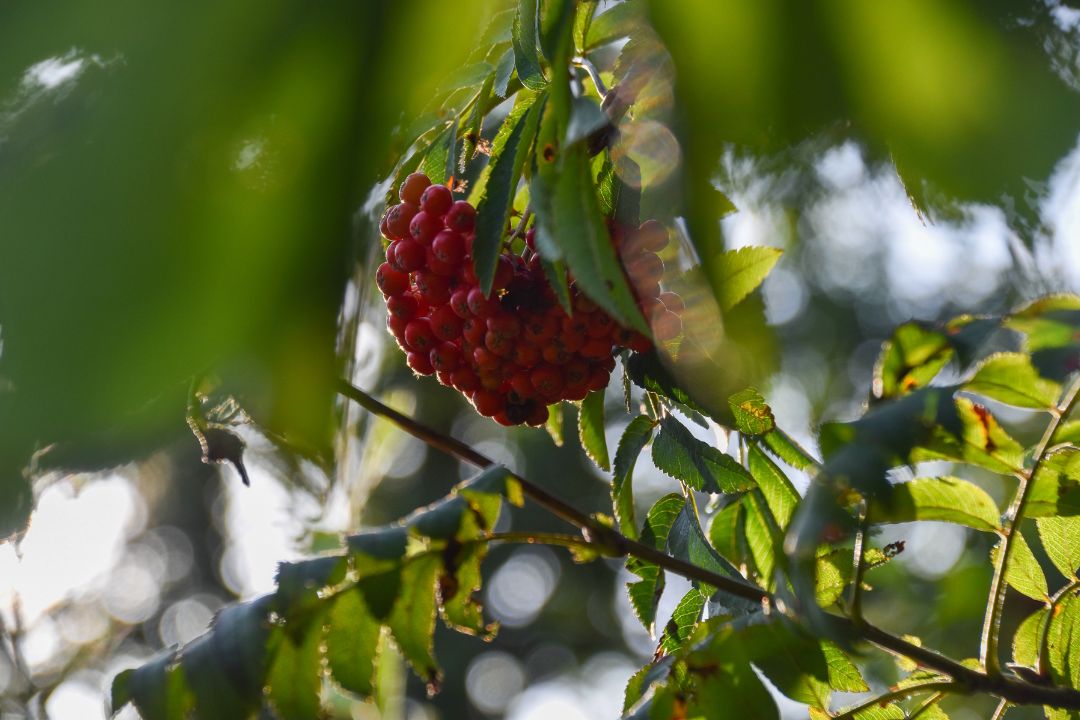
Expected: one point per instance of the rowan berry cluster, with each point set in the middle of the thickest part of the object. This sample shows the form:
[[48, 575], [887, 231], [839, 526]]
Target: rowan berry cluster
[[517, 351]]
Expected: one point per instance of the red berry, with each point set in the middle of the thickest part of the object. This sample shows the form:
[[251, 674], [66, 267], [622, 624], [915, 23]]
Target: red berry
[[390, 281], [547, 380], [596, 349], [465, 379], [575, 325], [392, 258], [439, 267], [384, 229], [424, 227], [504, 273], [435, 289], [576, 393], [503, 418], [639, 343], [652, 236], [436, 200], [413, 187], [485, 359], [410, 255], [403, 306], [541, 328], [459, 302], [445, 323], [419, 337], [461, 217], [498, 344], [555, 353], [538, 415], [530, 239], [570, 342], [504, 325], [673, 302], [449, 247], [474, 330], [666, 326], [398, 219], [445, 357], [582, 304], [598, 380], [521, 383], [396, 325], [488, 403], [481, 306], [419, 362], [600, 325], [444, 377], [526, 355]]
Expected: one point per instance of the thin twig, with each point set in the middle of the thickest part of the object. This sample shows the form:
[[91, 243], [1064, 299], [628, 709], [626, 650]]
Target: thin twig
[[859, 560], [926, 705], [609, 541], [988, 651], [999, 711], [594, 74]]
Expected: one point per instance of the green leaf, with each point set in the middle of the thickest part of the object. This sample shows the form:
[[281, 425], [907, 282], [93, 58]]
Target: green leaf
[[586, 117], [687, 541], [1023, 572], [948, 499], [458, 585], [299, 583], [784, 447], [645, 594], [157, 688], [591, 429], [524, 101], [581, 234], [412, 620], [832, 573], [554, 424], [761, 539], [1063, 642], [636, 436], [726, 532], [1055, 487], [583, 16], [1010, 378], [1026, 641], [225, 667], [844, 675], [740, 272], [648, 372], [697, 464], [295, 676], [504, 70], [779, 493], [791, 659], [352, 641], [1061, 539], [440, 162], [909, 360], [752, 415], [526, 53], [1048, 322], [493, 208], [982, 442], [616, 22], [475, 123], [683, 620]]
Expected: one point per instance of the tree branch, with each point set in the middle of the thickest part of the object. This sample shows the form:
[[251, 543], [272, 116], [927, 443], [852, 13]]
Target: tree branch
[[609, 541]]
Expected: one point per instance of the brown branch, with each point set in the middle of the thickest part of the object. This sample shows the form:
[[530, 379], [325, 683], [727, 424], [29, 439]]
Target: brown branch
[[610, 541]]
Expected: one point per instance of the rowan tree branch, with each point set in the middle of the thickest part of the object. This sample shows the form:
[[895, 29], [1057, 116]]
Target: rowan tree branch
[[609, 541]]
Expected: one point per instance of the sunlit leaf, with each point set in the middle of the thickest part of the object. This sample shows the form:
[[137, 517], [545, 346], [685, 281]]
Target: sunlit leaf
[[1010, 378], [616, 22], [909, 360], [701, 466], [412, 620], [634, 439], [779, 493], [1055, 487], [352, 641], [752, 415], [1026, 641], [1063, 642], [762, 538], [526, 52], [948, 499], [683, 619], [687, 541], [1061, 539], [1023, 573], [591, 429], [741, 271], [295, 675], [554, 424]]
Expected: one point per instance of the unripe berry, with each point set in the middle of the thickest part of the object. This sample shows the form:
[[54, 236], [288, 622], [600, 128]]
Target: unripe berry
[[398, 219], [461, 217], [390, 281], [413, 187], [436, 200], [424, 227]]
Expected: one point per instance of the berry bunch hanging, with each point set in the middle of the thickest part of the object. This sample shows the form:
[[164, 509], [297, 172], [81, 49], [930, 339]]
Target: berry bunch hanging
[[517, 350]]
